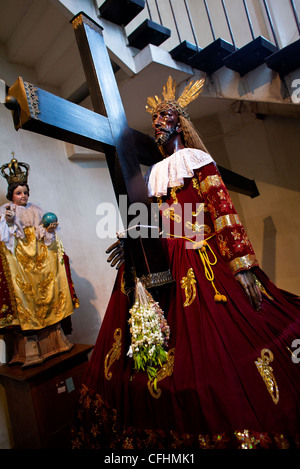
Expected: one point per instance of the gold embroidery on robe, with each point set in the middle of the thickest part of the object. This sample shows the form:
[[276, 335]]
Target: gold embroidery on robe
[[42, 257], [123, 284], [24, 259], [248, 440], [266, 373], [223, 246], [188, 283], [159, 201], [45, 284], [23, 313], [226, 200], [166, 370], [24, 286], [169, 213], [199, 228], [212, 207], [59, 304], [196, 185], [38, 284], [7, 274], [173, 193], [114, 354], [29, 236], [200, 208]]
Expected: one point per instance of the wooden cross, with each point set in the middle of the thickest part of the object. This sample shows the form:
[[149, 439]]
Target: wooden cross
[[104, 130]]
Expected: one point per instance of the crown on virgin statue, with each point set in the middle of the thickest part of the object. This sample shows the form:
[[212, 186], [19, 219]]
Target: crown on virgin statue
[[15, 171], [168, 99]]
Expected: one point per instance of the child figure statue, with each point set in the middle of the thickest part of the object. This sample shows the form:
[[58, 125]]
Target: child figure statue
[[37, 295]]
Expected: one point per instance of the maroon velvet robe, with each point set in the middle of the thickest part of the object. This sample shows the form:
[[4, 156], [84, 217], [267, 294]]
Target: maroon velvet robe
[[230, 380]]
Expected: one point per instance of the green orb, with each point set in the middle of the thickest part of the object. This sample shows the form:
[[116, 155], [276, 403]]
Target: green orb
[[49, 218]]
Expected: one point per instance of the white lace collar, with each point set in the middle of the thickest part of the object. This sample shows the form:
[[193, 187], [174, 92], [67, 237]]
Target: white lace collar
[[171, 171]]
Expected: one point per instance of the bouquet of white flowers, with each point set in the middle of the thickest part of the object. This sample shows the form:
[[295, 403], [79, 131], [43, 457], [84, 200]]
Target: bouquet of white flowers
[[150, 333]]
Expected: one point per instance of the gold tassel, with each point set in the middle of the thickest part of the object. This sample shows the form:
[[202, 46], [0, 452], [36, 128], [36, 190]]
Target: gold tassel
[[203, 248]]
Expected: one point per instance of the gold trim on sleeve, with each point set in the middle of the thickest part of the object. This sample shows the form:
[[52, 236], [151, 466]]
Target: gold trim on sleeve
[[242, 263], [210, 181], [226, 220]]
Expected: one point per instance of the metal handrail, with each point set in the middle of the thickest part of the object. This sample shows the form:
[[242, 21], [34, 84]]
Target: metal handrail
[[270, 22], [295, 15], [248, 18], [193, 30]]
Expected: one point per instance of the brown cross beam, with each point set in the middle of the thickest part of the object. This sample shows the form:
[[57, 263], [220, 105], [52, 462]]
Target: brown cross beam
[[105, 129]]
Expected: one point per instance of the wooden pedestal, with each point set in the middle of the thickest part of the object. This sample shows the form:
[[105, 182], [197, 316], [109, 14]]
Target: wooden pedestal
[[41, 400]]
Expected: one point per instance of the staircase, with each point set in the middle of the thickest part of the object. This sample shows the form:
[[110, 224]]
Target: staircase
[[256, 59]]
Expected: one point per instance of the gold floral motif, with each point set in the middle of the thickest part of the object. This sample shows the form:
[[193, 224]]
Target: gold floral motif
[[173, 193], [226, 200], [188, 283], [266, 373], [159, 201], [123, 290], [218, 441], [24, 286], [211, 206], [41, 314], [247, 439], [169, 213], [282, 442], [23, 259], [200, 208], [59, 304], [3, 309], [166, 370], [199, 228], [241, 240], [106, 425], [223, 246], [41, 258], [23, 313], [45, 284], [196, 185], [29, 236], [114, 354]]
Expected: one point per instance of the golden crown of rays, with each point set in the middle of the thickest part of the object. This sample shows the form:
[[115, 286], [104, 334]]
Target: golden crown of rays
[[168, 99]]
